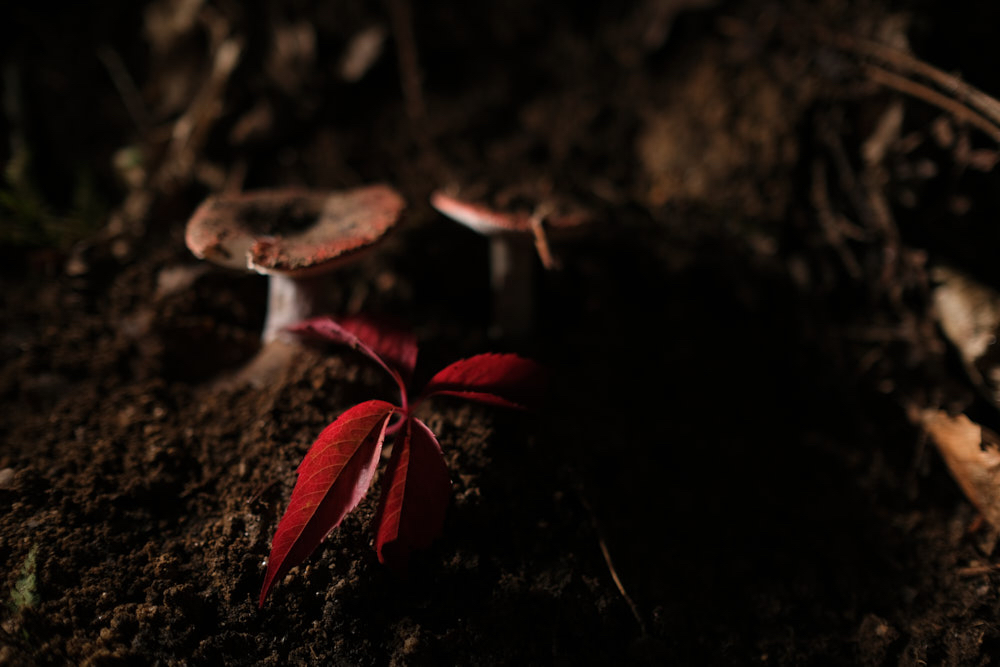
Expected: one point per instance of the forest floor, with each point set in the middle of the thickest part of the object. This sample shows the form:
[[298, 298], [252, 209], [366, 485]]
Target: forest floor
[[727, 470]]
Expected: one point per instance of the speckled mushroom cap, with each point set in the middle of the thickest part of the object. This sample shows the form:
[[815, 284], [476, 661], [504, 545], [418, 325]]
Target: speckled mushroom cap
[[294, 232], [489, 221]]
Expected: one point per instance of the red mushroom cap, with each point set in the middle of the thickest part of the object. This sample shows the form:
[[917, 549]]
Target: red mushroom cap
[[292, 231], [488, 221], [480, 218]]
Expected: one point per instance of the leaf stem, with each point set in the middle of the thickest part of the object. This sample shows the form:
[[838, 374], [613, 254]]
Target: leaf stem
[[393, 429]]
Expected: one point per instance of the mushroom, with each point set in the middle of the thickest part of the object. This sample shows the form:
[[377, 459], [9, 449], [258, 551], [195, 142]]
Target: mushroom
[[294, 236], [510, 237]]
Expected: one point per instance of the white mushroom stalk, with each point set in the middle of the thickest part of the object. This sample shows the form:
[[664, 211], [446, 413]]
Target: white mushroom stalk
[[512, 277], [514, 238], [290, 300]]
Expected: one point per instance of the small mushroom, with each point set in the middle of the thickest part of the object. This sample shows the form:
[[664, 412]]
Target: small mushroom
[[294, 236], [510, 237]]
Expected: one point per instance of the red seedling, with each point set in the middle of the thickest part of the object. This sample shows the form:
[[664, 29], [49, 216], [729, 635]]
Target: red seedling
[[337, 470]]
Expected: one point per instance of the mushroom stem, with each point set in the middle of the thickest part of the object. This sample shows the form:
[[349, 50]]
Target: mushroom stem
[[291, 300], [511, 277]]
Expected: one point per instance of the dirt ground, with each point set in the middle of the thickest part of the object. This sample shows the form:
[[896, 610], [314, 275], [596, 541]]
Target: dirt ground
[[727, 470]]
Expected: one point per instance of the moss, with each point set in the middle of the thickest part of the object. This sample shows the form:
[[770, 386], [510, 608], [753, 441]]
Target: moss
[[24, 592]]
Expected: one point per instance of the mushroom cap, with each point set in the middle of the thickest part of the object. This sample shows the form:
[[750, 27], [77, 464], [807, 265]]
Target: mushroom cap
[[489, 221], [292, 231]]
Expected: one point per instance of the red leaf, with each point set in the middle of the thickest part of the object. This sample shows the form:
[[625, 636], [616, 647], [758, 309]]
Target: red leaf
[[391, 347], [498, 379], [333, 478], [415, 495], [396, 346]]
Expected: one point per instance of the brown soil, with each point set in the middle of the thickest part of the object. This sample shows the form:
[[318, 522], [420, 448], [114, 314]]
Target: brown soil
[[735, 341]]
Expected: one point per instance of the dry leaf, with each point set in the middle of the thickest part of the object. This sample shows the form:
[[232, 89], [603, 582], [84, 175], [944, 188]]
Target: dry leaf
[[972, 456]]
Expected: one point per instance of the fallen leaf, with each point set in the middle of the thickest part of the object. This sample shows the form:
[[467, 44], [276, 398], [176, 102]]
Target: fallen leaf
[[972, 456]]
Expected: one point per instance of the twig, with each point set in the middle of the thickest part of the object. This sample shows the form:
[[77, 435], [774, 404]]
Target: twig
[[123, 82], [880, 210], [618, 583], [886, 134], [190, 131], [610, 563], [401, 15], [904, 62], [866, 195], [977, 570], [927, 94], [976, 107], [846, 177], [411, 82], [828, 222]]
